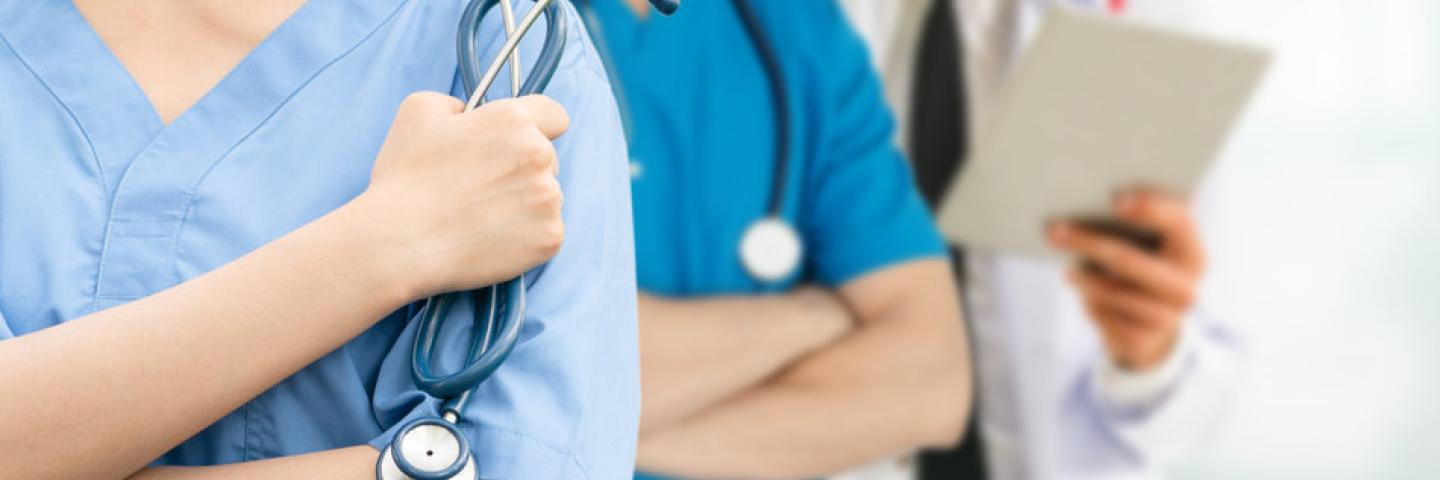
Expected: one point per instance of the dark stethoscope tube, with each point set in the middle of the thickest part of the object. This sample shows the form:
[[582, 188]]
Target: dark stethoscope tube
[[775, 77]]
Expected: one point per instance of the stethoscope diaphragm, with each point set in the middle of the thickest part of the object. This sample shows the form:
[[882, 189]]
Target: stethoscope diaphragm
[[770, 249], [427, 449]]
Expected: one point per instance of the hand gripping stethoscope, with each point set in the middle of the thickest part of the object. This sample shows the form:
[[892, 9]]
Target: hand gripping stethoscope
[[433, 448]]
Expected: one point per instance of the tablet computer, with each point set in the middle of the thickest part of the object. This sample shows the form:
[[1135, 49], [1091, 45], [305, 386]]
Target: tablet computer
[[1096, 104]]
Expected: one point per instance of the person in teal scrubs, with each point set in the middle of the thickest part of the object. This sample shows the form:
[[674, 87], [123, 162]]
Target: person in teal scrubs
[[858, 356], [203, 277]]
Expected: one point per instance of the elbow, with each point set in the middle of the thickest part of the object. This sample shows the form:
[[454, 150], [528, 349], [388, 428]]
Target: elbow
[[945, 395], [952, 394]]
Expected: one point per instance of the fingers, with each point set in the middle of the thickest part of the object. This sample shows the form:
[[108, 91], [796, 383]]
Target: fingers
[[1168, 217], [420, 105], [1138, 333], [545, 114], [1126, 262], [1122, 302]]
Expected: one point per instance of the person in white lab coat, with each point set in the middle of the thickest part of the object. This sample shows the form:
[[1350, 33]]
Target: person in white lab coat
[[1077, 378]]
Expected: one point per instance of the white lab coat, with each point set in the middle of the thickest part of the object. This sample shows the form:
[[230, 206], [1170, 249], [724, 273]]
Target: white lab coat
[[1051, 403]]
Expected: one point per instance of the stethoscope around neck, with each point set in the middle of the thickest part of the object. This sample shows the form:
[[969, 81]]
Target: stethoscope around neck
[[433, 448], [770, 248]]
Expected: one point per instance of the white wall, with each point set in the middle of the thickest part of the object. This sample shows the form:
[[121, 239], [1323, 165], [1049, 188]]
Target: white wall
[[1327, 242]]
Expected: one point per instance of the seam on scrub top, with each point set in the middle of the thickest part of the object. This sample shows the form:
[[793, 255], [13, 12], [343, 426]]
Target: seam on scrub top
[[190, 193], [99, 167], [94, 155], [245, 439], [575, 461]]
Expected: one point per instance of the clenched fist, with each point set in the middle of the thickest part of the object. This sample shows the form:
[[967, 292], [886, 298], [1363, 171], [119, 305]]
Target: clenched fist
[[471, 197]]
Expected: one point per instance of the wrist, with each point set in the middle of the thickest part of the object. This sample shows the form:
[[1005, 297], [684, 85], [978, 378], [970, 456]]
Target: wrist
[[377, 250], [1126, 389], [1139, 362]]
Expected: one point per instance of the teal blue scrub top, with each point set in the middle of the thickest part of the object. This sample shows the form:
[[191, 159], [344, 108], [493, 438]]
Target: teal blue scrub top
[[102, 204], [702, 140]]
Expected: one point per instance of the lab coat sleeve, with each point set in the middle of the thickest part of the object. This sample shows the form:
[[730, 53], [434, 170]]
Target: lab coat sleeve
[[565, 404], [860, 210], [1159, 416]]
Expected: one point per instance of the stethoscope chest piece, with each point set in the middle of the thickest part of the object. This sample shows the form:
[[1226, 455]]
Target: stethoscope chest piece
[[770, 249], [428, 449]]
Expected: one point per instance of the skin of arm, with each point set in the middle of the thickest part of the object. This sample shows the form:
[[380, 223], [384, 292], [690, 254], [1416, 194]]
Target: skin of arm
[[215, 337], [117, 388], [353, 462], [901, 380], [697, 352]]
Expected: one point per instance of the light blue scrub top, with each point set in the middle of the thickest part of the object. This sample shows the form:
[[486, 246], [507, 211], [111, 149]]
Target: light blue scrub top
[[101, 204], [703, 137]]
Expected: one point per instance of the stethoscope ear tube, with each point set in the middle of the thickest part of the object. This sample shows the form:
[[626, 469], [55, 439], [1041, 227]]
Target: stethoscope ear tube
[[467, 46]]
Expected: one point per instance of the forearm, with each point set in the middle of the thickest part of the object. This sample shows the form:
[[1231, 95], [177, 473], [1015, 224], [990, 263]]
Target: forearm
[[345, 463], [138, 379], [900, 382], [696, 353]]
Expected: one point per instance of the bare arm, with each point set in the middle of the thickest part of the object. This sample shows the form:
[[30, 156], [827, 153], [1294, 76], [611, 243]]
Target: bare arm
[[695, 353], [346, 463], [901, 381], [140, 378], [103, 395]]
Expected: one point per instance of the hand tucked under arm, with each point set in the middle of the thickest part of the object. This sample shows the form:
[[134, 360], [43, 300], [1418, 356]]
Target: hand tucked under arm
[[695, 353], [899, 382]]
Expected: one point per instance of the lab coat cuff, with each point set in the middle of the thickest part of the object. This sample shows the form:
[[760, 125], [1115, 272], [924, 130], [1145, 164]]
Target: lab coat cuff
[[500, 452], [1131, 393]]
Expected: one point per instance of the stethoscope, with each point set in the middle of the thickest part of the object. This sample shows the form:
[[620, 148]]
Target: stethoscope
[[770, 248], [432, 448]]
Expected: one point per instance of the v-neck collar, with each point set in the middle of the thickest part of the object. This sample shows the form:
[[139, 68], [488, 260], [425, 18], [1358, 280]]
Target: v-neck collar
[[118, 119]]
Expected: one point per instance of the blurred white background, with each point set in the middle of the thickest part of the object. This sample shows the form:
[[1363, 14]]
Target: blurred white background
[[1326, 236]]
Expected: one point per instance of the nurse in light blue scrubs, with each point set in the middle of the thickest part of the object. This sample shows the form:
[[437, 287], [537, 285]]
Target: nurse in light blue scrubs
[[859, 355], [119, 351]]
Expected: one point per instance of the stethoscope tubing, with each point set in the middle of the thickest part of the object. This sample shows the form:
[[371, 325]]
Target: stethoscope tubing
[[467, 45], [775, 79], [499, 309]]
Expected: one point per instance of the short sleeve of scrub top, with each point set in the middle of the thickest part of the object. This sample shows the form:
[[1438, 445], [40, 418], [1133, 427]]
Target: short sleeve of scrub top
[[703, 156], [101, 204], [864, 209]]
